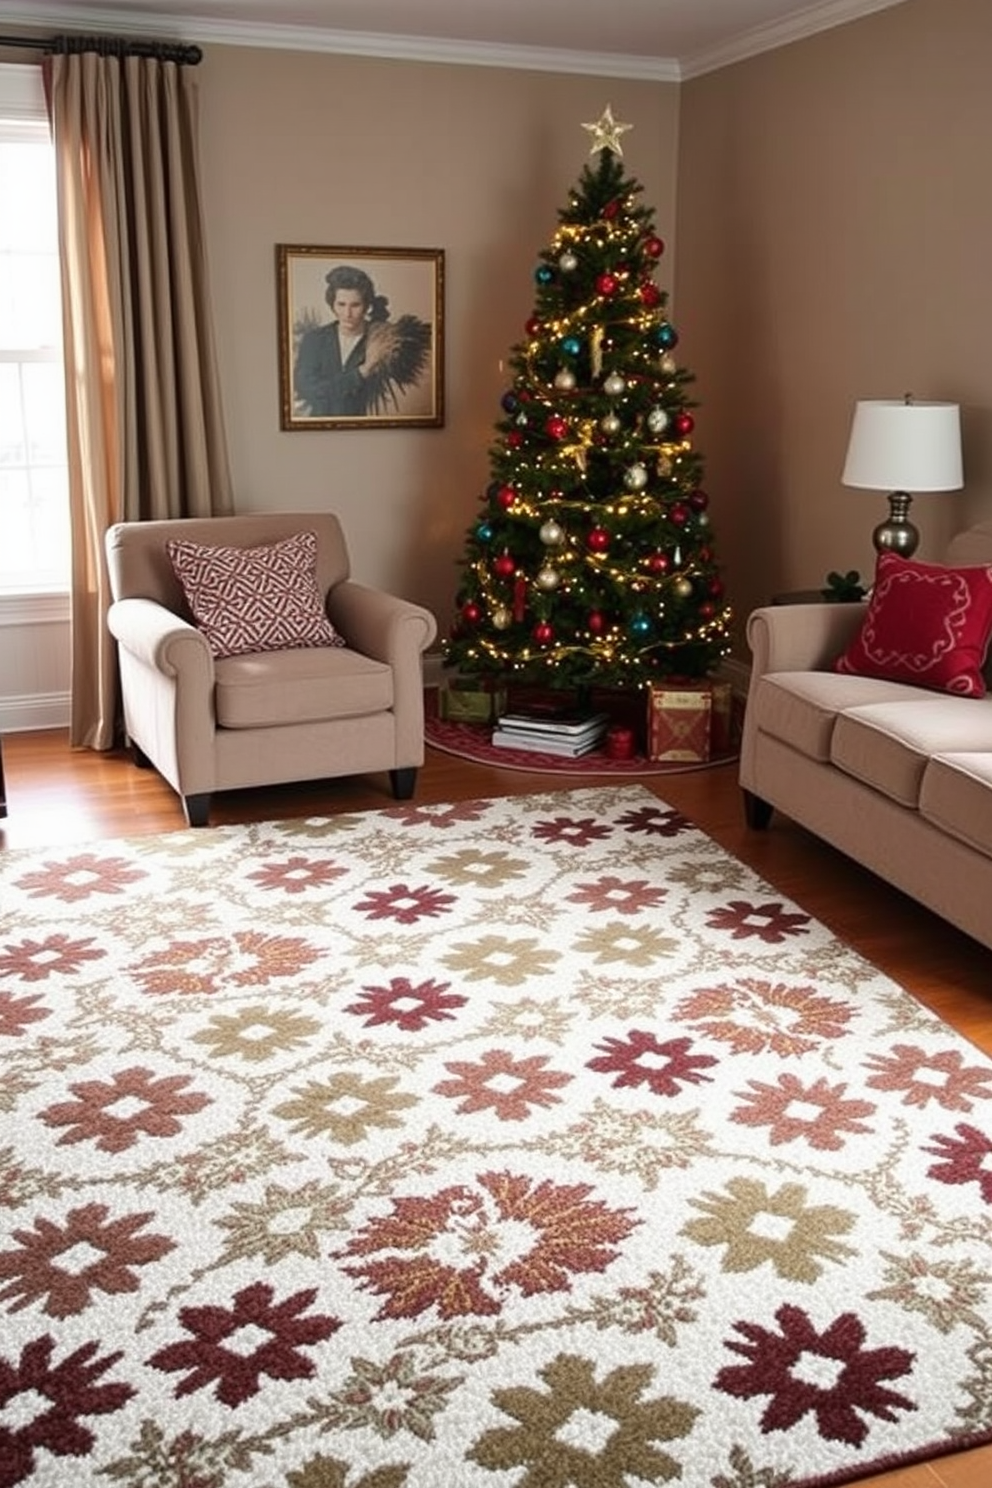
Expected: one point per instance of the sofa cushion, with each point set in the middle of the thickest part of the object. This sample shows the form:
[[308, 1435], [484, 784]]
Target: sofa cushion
[[925, 623], [887, 745], [956, 796], [274, 688], [262, 598], [800, 708]]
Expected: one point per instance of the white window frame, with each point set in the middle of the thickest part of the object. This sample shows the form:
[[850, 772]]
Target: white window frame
[[23, 115]]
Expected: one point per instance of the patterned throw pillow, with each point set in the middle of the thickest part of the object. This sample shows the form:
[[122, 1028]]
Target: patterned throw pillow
[[926, 624], [254, 599]]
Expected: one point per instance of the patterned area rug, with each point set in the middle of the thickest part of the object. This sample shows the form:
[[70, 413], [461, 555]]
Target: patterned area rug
[[522, 1143]]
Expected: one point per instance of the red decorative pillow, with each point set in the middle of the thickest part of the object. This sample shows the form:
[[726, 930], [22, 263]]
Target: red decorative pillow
[[926, 624], [254, 599]]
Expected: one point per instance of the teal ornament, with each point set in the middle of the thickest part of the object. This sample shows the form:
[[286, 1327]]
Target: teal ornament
[[666, 335], [544, 275], [484, 532], [571, 345]]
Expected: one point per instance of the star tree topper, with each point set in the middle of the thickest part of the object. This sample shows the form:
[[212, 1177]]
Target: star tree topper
[[606, 133]]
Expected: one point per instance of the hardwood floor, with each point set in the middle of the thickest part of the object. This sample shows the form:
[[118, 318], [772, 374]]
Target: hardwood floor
[[56, 795]]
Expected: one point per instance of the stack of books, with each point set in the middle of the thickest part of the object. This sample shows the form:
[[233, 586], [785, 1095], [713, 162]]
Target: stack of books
[[550, 732]]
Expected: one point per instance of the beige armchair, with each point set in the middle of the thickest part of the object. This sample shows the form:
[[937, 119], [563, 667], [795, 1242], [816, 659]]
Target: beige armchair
[[211, 723]]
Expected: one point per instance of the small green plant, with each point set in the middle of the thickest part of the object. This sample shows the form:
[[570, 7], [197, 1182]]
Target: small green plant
[[844, 587]]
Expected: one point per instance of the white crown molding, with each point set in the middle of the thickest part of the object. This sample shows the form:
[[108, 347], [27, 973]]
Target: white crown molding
[[817, 17], [823, 16], [343, 43]]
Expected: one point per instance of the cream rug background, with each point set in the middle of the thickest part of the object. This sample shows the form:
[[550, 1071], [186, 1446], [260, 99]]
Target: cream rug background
[[520, 1143]]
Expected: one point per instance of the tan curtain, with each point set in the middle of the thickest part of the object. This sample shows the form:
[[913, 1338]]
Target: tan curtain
[[145, 423]]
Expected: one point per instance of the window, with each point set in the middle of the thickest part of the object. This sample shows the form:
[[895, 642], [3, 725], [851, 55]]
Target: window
[[34, 496]]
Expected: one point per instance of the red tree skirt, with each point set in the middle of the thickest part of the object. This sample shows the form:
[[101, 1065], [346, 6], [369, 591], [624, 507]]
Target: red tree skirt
[[471, 741]]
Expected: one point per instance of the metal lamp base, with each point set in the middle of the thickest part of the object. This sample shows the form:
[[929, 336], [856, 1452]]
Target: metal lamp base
[[897, 534]]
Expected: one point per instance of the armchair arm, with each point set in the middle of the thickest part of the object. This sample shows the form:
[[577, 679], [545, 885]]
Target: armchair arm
[[801, 638], [167, 683], [381, 625], [394, 631], [159, 639]]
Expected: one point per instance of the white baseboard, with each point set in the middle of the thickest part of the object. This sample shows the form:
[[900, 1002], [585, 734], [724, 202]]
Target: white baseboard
[[19, 715]]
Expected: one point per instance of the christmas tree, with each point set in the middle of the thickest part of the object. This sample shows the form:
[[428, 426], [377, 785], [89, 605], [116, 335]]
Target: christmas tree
[[591, 562]]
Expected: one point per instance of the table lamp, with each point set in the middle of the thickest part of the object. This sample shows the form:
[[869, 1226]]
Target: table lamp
[[899, 445]]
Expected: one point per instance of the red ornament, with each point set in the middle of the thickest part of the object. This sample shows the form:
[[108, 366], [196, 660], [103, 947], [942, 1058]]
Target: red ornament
[[514, 439], [532, 326], [658, 562], [679, 514], [684, 423], [556, 426], [505, 565], [598, 540], [471, 612], [610, 210], [654, 247], [543, 633], [506, 496], [707, 609], [715, 587], [650, 295], [596, 622], [607, 284], [699, 501]]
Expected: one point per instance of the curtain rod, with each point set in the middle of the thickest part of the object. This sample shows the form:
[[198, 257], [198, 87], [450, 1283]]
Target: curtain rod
[[109, 46]]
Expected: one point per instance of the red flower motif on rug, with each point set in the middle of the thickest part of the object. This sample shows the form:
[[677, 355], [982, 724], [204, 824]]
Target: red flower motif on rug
[[460, 1250], [829, 1375], [49, 1396], [216, 1355], [154, 1106]]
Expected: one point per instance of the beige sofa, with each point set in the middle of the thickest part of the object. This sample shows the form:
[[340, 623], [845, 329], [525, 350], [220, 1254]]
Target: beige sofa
[[897, 777], [264, 718]]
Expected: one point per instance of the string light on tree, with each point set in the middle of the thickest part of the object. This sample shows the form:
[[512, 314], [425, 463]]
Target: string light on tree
[[592, 560]]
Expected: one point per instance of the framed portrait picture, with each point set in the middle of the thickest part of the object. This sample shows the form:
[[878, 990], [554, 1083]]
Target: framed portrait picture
[[361, 337]]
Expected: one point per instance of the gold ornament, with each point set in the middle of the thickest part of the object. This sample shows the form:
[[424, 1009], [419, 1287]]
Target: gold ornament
[[606, 133], [683, 588], [596, 349], [502, 619]]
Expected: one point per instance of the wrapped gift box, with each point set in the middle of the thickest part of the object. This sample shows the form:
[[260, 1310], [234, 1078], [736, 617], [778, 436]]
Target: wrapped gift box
[[469, 700], [689, 721]]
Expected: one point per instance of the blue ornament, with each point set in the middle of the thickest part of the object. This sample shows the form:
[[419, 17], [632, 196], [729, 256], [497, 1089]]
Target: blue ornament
[[484, 532], [571, 345], [640, 625], [509, 402], [544, 275], [666, 335]]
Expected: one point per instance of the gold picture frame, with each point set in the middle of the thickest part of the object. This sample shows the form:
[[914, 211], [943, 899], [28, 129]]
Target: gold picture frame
[[361, 337]]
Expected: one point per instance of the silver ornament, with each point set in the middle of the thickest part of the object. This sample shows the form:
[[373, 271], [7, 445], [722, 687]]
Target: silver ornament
[[548, 579], [565, 379], [610, 424], [658, 421], [636, 478], [614, 385], [568, 262], [502, 619], [551, 534]]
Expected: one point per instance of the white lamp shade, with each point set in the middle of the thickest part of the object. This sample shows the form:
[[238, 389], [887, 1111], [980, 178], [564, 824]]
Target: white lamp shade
[[897, 445]]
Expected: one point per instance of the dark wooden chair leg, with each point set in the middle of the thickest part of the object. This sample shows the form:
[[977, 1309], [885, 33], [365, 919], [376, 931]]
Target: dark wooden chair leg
[[197, 809], [138, 756], [403, 782], [757, 813]]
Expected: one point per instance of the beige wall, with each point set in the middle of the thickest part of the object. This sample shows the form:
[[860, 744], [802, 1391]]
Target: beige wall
[[333, 151], [835, 243]]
